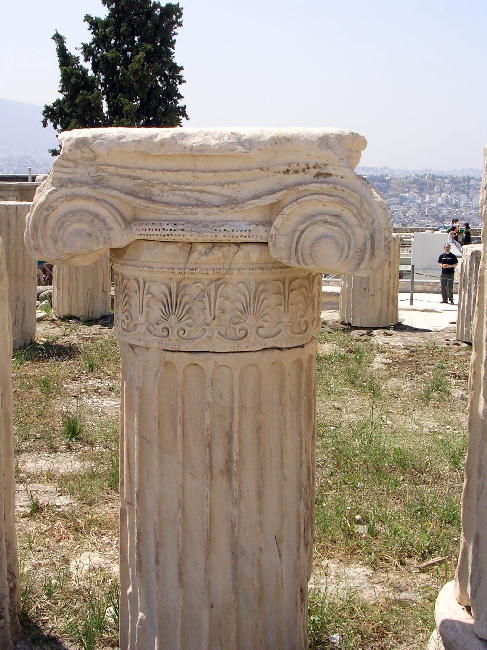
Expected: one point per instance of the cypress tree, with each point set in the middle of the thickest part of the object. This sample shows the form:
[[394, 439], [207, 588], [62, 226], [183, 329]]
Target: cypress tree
[[81, 103], [132, 78]]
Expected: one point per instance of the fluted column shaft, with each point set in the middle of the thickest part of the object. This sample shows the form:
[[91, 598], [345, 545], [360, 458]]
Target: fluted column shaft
[[217, 446]]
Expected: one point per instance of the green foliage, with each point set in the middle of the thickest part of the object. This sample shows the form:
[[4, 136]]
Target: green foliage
[[81, 103], [34, 505], [399, 494], [99, 613], [348, 622], [46, 351], [46, 308], [437, 386], [46, 385], [97, 353], [72, 427], [131, 78]]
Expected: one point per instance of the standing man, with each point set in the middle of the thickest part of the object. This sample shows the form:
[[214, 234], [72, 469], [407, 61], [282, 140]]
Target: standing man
[[447, 261]]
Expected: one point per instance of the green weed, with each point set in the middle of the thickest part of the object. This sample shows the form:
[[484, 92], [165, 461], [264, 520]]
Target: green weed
[[45, 308], [34, 504], [437, 386], [72, 427], [96, 354], [46, 351], [381, 500], [348, 622], [46, 385], [98, 614]]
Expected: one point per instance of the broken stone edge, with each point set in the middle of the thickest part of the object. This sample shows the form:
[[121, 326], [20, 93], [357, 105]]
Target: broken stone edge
[[295, 189], [454, 624]]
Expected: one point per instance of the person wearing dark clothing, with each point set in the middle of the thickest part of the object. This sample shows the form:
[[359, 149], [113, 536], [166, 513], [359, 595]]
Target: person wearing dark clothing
[[467, 237], [447, 261]]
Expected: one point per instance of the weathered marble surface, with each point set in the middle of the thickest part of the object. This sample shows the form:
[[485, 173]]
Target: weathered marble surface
[[217, 239], [9, 597], [471, 578], [371, 301], [82, 291], [22, 271], [217, 474], [454, 624], [293, 188], [467, 291], [218, 297], [457, 627]]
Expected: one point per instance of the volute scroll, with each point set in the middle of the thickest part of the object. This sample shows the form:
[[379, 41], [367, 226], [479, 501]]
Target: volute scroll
[[333, 231], [75, 226]]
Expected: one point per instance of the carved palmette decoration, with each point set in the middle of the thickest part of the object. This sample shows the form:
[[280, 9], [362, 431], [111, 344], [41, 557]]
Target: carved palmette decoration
[[225, 314]]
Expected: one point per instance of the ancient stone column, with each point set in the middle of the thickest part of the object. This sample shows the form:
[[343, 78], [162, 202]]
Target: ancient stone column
[[82, 291], [371, 301], [9, 602], [467, 290], [461, 607], [22, 272], [217, 476], [218, 239]]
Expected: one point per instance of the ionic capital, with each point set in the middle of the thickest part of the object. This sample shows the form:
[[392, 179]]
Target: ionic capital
[[294, 189]]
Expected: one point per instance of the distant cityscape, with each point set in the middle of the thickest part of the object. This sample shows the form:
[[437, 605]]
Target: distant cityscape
[[424, 198], [428, 199]]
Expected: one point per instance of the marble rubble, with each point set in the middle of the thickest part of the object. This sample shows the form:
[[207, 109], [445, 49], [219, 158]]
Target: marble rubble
[[22, 272], [467, 291], [218, 239], [82, 291], [9, 596], [461, 606], [372, 301]]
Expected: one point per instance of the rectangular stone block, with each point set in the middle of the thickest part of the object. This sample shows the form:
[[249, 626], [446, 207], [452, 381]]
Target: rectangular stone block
[[371, 300], [21, 270], [9, 597], [467, 291], [82, 291]]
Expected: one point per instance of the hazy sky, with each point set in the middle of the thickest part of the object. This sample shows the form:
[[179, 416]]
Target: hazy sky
[[407, 74]]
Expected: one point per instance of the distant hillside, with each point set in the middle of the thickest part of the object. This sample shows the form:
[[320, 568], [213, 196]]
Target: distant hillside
[[21, 130], [23, 141]]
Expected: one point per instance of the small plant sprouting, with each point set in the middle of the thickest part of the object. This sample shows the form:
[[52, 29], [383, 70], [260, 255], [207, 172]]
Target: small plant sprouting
[[90, 363], [95, 354], [437, 385], [72, 427], [45, 385], [45, 307], [34, 505], [87, 630]]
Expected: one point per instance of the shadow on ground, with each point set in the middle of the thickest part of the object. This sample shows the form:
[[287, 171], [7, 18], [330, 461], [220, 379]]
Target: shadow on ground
[[33, 638], [46, 351]]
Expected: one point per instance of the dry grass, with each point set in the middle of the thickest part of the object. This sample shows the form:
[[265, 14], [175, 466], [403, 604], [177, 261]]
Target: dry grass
[[391, 439], [391, 420], [66, 418]]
